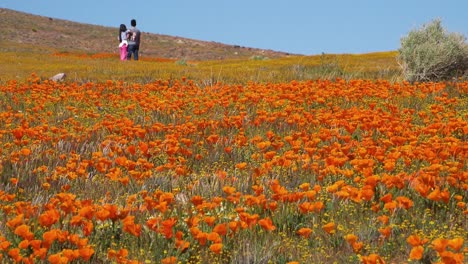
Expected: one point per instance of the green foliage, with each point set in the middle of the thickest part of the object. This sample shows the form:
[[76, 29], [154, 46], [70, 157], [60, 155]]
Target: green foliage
[[181, 62], [259, 57], [432, 54]]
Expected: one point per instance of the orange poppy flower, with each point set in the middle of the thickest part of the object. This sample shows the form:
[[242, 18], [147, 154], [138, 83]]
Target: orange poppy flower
[[372, 259], [130, 227], [450, 257], [102, 214], [25, 152], [35, 244], [49, 218], [304, 232], [351, 238], [86, 253], [71, 254], [201, 237], [221, 229], [357, 246], [197, 200], [386, 198], [456, 243], [439, 244], [383, 219], [233, 226], [182, 245], [391, 206], [415, 240], [266, 224], [209, 220], [167, 227], [214, 237], [14, 253], [23, 231], [386, 231], [416, 253], [57, 259], [404, 202], [241, 165], [329, 228], [18, 220], [229, 190], [216, 248], [169, 260], [23, 244]]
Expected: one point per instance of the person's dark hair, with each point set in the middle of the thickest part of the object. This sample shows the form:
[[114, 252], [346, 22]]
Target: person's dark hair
[[123, 28], [133, 23]]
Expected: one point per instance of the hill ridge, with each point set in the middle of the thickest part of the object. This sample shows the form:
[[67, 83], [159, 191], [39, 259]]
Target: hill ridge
[[69, 36]]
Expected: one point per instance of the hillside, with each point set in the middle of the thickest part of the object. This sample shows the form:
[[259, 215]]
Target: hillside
[[44, 33]]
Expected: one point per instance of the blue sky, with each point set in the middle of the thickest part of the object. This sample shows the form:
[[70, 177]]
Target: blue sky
[[297, 26]]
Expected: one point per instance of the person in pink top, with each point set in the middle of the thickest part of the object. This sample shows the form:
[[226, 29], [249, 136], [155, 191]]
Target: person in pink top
[[123, 42]]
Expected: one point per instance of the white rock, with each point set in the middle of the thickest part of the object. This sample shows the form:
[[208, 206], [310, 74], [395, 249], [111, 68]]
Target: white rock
[[58, 77]]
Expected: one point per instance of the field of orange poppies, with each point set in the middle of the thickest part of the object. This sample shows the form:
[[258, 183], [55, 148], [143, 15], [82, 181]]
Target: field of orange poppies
[[313, 171]]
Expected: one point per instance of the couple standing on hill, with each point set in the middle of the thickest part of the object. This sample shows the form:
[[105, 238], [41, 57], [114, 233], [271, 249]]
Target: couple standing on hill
[[129, 41]]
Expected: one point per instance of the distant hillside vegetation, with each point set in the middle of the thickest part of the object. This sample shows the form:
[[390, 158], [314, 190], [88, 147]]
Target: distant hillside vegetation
[[63, 35]]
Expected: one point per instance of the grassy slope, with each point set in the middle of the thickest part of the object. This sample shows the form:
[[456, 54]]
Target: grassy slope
[[88, 53], [63, 35], [21, 63]]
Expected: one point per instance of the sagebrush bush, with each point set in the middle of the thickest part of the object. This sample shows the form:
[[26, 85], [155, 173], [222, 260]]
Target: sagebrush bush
[[432, 54]]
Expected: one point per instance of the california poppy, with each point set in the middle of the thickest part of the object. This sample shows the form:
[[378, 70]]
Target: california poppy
[[304, 232], [216, 248], [266, 224], [416, 253], [329, 228], [221, 229]]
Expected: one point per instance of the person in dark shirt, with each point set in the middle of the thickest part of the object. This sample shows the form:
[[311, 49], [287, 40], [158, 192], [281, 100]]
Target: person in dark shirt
[[133, 41]]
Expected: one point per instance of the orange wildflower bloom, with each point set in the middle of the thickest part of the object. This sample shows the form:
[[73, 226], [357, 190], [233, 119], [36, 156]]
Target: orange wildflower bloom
[[197, 200], [266, 224], [416, 253], [201, 237], [386, 231], [241, 165], [233, 226], [86, 253], [329, 228], [221, 229], [214, 237], [14, 253], [23, 231], [450, 257], [130, 227], [169, 260], [372, 259], [383, 219], [57, 259], [167, 227], [304, 232], [25, 152], [13, 223], [49, 218], [456, 243], [23, 244], [209, 220], [415, 240], [229, 190], [351, 238], [71, 254], [216, 248], [440, 244]]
